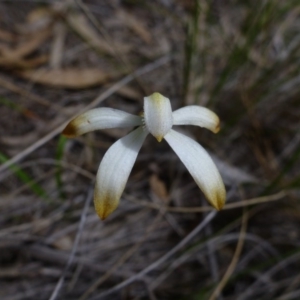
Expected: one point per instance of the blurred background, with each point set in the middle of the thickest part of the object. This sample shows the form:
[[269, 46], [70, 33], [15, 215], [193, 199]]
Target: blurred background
[[239, 58]]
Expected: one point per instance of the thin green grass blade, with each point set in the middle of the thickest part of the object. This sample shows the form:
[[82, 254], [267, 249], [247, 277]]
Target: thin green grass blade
[[256, 21], [58, 173], [25, 178], [190, 49]]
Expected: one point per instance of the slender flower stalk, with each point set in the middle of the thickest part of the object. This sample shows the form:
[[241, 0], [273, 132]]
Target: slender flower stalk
[[157, 119]]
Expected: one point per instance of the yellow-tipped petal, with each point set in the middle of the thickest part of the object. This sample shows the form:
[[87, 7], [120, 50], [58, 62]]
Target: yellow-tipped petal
[[158, 115], [114, 171], [200, 166], [71, 130], [105, 204], [100, 118], [198, 116]]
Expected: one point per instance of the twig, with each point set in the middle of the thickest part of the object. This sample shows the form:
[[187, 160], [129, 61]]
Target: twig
[[160, 261], [197, 209], [234, 260], [74, 249], [211, 252]]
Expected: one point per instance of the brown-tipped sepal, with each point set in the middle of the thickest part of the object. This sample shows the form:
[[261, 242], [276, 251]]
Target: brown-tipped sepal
[[114, 171], [105, 204], [71, 130], [100, 118], [200, 166]]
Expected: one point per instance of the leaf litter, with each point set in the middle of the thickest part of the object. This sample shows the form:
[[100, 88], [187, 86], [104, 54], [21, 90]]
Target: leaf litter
[[161, 204]]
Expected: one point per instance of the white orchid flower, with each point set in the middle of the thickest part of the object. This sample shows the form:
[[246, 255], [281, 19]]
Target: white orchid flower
[[157, 119]]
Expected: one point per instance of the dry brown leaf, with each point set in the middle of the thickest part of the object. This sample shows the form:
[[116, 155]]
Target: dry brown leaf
[[7, 36], [81, 25], [27, 47], [24, 63], [135, 25], [72, 78], [158, 187]]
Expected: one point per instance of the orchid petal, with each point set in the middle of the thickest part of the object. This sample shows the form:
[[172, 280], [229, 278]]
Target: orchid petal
[[200, 166], [158, 115], [114, 171], [198, 116], [100, 118]]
